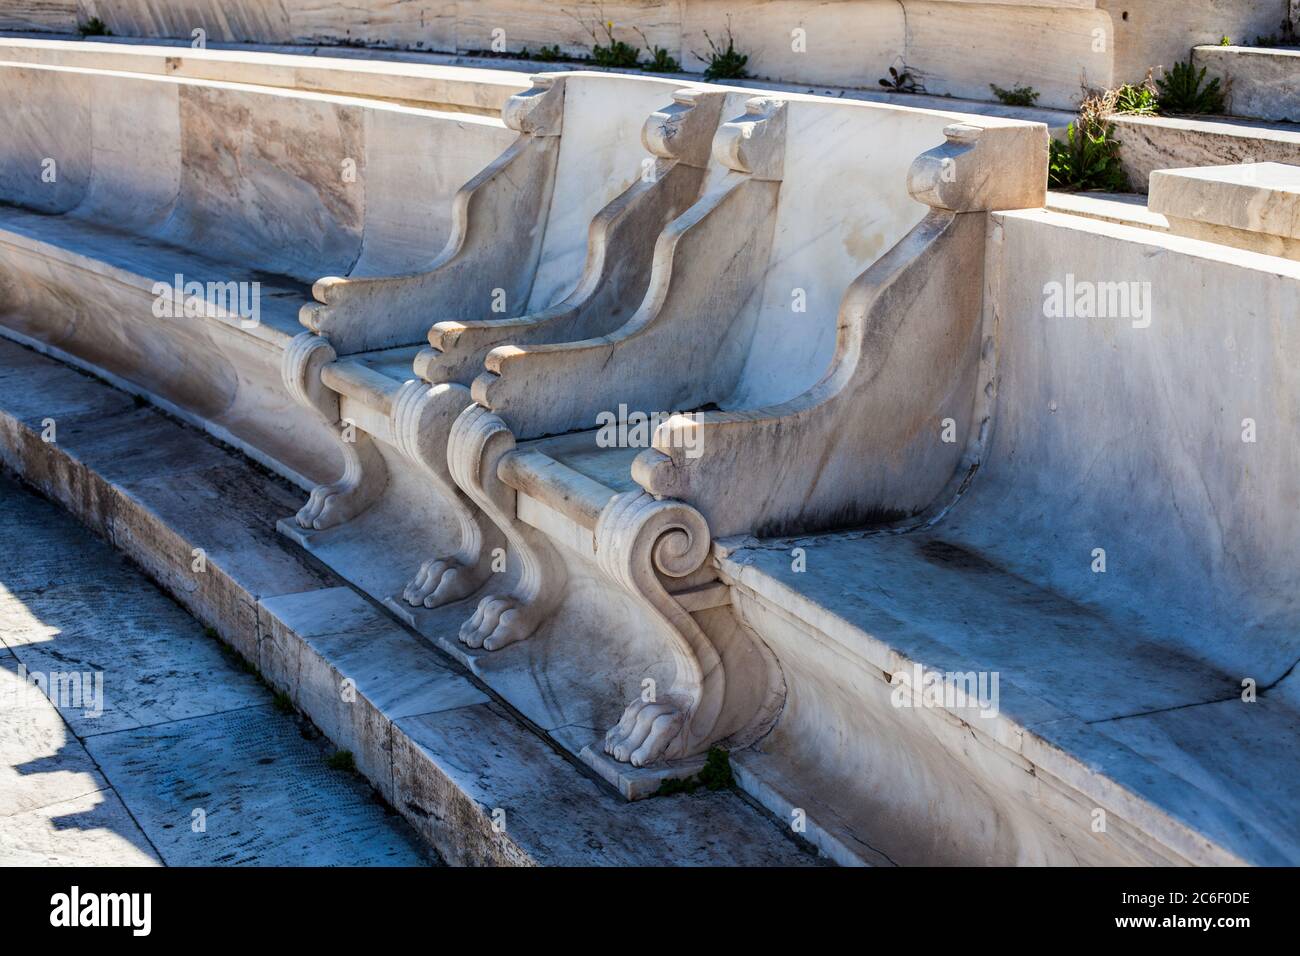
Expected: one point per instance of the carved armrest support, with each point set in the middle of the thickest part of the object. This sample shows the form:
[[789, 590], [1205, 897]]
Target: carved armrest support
[[490, 256], [539, 110], [675, 351], [754, 143], [365, 476], [457, 349], [423, 418], [620, 247], [478, 445], [881, 435], [981, 169], [683, 132], [641, 543], [300, 371], [898, 418]]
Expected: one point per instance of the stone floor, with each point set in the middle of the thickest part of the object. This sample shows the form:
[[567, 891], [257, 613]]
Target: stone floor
[[185, 759]]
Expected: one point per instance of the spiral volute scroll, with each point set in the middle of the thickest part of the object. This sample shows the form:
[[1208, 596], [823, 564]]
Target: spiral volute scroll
[[639, 537], [470, 435], [300, 367], [637, 532], [406, 415]]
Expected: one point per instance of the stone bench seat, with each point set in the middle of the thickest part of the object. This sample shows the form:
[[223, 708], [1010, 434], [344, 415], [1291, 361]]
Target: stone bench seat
[[741, 310], [147, 182], [1093, 713], [555, 238], [142, 262], [184, 362], [1121, 552]]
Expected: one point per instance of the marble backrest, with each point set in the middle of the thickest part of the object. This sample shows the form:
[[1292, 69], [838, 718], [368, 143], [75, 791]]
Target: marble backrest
[[601, 155], [844, 203], [1143, 454], [46, 144], [284, 182]]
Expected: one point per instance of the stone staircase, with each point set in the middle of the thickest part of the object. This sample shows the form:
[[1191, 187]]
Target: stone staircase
[[476, 781]]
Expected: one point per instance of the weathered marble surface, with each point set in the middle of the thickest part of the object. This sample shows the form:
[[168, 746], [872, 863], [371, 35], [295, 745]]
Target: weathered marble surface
[[1260, 82], [1196, 595], [1031, 776], [41, 762], [1149, 143], [832, 415], [1254, 206], [451, 766], [182, 727], [1125, 209], [1110, 397], [94, 829], [691, 342], [1162, 32], [267, 795], [441, 87], [321, 646], [149, 675], [579, 267], [957, 47], [216, 182]]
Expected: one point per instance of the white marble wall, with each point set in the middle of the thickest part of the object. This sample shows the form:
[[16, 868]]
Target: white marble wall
[[959, 46]]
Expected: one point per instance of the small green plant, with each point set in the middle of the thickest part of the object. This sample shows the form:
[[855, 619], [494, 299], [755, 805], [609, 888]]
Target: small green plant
[[341, 760], [1225, 41], [615, 54], [547, 54], [1089, 156], [714, 775], [1181, 91], [661, 60], [901, 81], [1088, 159], [612, 53], [1140, 99], [716, 772], [282, 702], [725, 62], [1016, 96], [94, 27]]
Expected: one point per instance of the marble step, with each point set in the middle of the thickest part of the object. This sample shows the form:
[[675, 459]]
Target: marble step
[[1261, 82], [1149, 143], [1125, 209], [476, 781]]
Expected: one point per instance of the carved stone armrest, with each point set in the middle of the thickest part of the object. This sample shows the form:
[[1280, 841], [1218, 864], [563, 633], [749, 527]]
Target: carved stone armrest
[[982, 169], [900, 414], [674, 351], [620, 249], [488, 257]]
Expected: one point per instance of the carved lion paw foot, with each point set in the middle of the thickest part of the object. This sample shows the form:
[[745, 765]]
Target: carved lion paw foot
[[500, 621], [330, 505], [441, 581], [647, 732]]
